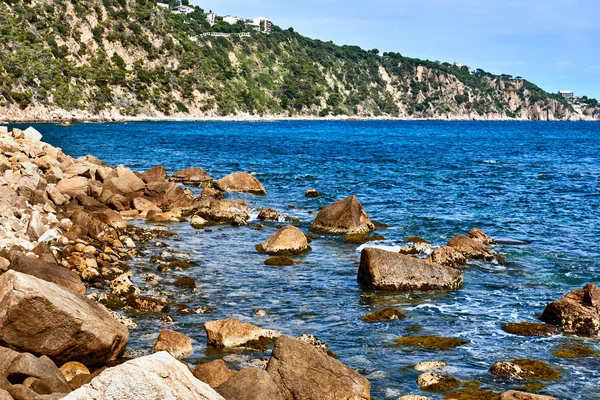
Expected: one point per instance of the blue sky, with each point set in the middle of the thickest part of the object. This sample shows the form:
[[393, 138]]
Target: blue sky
[[553, 43]]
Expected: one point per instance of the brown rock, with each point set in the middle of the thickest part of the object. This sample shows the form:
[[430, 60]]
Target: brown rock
[[312, 193], [344, 216], [591, 295], [168, 195], [72, 369], [480, 236], [473, 249], [288, 240], [574, 313], [185, 282], [43, 318], [234, 212], [156, 174], [384, 270], [124, 182], [240, 182], [143, 205], [251, 384], [192, 176], [525, 369], [514, 395], [174, 343], [447, 256], [297, 366], [73, 186], [213, 373], [269, 214], [147, 304], [232, 333]]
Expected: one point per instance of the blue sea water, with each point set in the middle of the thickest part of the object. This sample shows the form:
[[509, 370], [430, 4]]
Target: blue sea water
[[536, 182]]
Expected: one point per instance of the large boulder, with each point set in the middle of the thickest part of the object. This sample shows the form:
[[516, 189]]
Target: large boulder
[[155, 174], [240, 182], [168, 195], [45, 319], [345, 216], [577, 312], [297, 367], [384, 270], [176, 344], [288, 240], [46, 270], [473, 249], [124, 182], [214, 373], [158, 376], [73, 186], [251, 384], [480, 236], [192, 176], [232, 333]]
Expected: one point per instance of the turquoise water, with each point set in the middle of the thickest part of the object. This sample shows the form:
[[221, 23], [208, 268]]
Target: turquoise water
[[535, 182]]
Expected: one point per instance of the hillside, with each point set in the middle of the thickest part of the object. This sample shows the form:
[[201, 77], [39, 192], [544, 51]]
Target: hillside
[[87, 59]]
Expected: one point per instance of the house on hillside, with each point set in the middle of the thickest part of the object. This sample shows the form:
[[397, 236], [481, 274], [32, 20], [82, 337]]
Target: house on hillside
[[230, 19], [210, 18], [260, 24], [163, 6], [183, 10], [567, 94]]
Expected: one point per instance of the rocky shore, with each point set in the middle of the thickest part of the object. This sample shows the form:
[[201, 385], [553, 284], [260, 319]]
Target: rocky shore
[[65, 245]]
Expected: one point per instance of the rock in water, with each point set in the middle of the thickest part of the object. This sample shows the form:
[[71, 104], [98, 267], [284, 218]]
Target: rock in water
[[345, 216], [192, 176], [176, 344], [447, 256], [231, 333], [45, 319], [159, 376], [575, 312], [287, 241], [240, 182], [296, 366], [480, 236], [525, 369], [473, 249], [514, 395], [251, 384], [384, 270]]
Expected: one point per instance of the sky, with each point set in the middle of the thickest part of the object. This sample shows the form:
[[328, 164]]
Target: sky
[[552, 43]]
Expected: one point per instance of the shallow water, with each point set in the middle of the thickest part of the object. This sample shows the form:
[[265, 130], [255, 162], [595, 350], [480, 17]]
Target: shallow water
[[537, 182]]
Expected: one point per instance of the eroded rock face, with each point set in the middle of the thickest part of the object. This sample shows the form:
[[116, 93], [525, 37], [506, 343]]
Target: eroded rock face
[[240, 182], [42, 318], [232, 333], [575, 312], [176, 344], [192, 176], [288, 240], [159, 376], [345, 216], [296, 366], [251, 384], [384, 270], [473, 249]]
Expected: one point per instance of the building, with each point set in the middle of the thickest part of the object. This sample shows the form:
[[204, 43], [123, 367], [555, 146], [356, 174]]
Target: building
[[260, 24], [457, 64], [210, 18], [163, 6], [230, 19], [567, 94], [183, 10]]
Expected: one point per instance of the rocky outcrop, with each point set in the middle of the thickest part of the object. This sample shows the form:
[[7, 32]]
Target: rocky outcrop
[[213, 373], [473, 249], [232, 212], [232, 333], [287, 241], [155, 174], [296, 366], [159, 376], [169, 195], [176, 344], [192, 177], [240, 182], [345, 216], [384, 270], [576, 312], [251, 384], [45, 319]]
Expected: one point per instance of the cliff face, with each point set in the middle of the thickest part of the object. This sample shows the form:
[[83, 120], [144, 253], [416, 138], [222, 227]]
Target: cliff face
[[101, 59]]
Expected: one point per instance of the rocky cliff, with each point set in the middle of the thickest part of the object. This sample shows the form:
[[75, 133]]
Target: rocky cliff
[[104, 59]]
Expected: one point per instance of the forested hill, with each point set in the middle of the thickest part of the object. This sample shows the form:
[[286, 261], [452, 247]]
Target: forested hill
[[118, 58]]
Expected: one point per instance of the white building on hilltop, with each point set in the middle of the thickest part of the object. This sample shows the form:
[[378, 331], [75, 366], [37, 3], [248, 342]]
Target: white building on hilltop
[[260, 24], [183, 10], [210, 18], [230, 19], [163, 6]]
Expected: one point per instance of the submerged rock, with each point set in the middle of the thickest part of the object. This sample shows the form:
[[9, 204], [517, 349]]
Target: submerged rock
[[434, 382], [311, 193], [251, 384], [530, 329], [384, 270], [525, 368], [192, 176], [176, 344], [362, 238], [575, 312], [240, 182], [471, 394], [233, 333], [297, 366], [213, 373], [575, 351], [43, 318], [514, 395], [430, 365], [158, 376], [345, 216], [384, 314], [278, 261], [185, 282], [431, 342], [288, 241]]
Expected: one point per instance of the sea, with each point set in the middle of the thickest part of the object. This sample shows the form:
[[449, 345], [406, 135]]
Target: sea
[[533, 186]]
